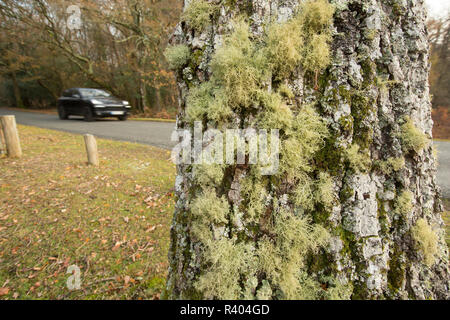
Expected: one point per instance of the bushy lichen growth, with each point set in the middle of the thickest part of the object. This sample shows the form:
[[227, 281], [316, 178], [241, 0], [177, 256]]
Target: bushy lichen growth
[[255, 242], [427, 241], [228, 262], [359, 161], [238, 76], [404, 202], [397, 163], [239, 68], [303, 139], [210, 207], [303, 194], [207, 101], [285, 91], [412, 138], [304, 40], [208, 174], [276, 113], [284, 47], [391, 165], [242, 68], [317, 53], [177, 56], [316, 16], [324, 190], [198, 14], [282, 258], [340, 291], [253, 190]]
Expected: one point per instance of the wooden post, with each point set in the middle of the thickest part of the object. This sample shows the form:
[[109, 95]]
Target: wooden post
[[11, 136], [91, 149], [2, 141]]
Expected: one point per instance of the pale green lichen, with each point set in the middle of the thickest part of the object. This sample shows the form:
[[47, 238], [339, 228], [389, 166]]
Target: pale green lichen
[[177, 56], [392, 165], [303, 40], [404, 202], [303, 194], [396, 163], [248, 80], [276, 113], [228, 261], [317, 54], [254, 192], [385, 84], [210, 208], [285, 91], [265, 292], [198, 13], [340, 291], [412, 138], [305, 137], [359, 161], [208, 174], [239, 68], [316, 16], [426, 240], [242, 68], [282, 259], [324, 190], [207, 100], [284, 47]]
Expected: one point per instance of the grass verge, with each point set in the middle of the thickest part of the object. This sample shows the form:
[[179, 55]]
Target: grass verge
[[111, 221], [444, 140], [152, 119], [446, 218]]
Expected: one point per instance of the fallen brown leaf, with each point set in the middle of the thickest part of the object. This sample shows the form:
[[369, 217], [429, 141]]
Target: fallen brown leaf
[[4, 291]]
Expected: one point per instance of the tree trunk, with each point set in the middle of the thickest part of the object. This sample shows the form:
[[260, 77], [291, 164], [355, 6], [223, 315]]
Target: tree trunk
[[140, 99], [158, 103], [16, 89], [353, 210]]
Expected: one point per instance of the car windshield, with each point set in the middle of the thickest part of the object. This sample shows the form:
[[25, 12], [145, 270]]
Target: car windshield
[[90, 93]]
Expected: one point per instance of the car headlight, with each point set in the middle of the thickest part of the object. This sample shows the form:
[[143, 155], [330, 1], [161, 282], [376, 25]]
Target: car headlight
[[96, 102], [126, 104]]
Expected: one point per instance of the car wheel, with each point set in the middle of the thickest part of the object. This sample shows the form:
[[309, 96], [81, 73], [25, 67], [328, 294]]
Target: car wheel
[[88, 114], [122, 118], [62, 113]]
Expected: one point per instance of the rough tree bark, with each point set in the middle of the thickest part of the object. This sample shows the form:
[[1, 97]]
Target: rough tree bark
[[386, 236], [16, 90]]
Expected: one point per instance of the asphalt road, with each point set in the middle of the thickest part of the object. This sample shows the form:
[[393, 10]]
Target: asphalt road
[[158, 134], [147, 132], [443, 176]]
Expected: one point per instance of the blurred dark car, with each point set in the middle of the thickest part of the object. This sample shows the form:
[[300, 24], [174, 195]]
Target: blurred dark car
[[91, 104]]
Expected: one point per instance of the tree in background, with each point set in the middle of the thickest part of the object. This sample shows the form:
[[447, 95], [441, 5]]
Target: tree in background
[[354, 209], [439, 31], [117, 46], [439, 35]]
